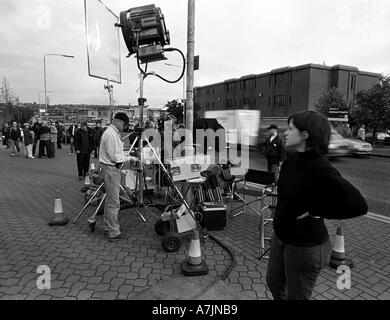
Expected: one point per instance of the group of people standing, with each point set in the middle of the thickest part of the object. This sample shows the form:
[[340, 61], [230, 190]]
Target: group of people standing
[[40, 139], [27, 136]]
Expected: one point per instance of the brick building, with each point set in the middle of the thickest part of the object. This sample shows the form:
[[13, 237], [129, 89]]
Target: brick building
[[284, 91]]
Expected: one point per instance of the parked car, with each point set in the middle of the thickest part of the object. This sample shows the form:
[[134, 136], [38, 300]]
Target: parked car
[[340, 146]]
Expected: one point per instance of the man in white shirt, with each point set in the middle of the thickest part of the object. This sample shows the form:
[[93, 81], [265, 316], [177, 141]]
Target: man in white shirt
[[111, 157], [362, 133]]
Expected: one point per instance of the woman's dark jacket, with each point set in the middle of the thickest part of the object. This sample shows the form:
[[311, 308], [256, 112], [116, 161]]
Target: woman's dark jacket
[[308, 183], [15, 134]]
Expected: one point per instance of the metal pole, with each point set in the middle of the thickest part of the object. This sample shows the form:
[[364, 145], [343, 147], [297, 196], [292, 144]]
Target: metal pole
[[44, 78], [141, 102], [190, 75]]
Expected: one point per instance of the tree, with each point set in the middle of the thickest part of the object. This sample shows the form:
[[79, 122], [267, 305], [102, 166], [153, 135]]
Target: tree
[[6, 94], [373, 106], [8, 101], [175, 108], [330, 99]]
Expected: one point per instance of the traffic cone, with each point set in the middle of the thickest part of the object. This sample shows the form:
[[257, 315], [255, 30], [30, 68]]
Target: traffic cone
[[87, 184], [92, 166], [59, 218], [338, 257], [194, 265]]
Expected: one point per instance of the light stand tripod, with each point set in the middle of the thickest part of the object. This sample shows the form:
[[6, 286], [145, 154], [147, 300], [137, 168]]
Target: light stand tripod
[[92, 219]]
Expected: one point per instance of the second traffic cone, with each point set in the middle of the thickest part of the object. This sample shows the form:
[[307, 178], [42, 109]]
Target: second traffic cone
[[338, 257], [194, 265], [59, 218], [87, 184]]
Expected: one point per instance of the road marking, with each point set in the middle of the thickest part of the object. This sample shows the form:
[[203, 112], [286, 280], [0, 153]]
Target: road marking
[[383, 162], [378, 217]]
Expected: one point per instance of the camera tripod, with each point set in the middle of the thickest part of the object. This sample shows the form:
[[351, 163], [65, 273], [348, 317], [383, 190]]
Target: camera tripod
[[124, 190]]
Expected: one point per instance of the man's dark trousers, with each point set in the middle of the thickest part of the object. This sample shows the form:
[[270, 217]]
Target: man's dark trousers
[[83, 163], [59, 140]]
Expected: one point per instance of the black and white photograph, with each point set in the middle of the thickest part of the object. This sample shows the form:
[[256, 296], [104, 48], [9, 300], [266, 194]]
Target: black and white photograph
[[204, 156]]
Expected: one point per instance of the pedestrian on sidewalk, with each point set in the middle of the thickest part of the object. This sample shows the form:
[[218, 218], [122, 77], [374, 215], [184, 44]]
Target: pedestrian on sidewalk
[[53, 138], [72, 131], [111, 158], [274, 151], [60, 134], [15, 137], [84, 145], [44, 140], [361, 134], [35, 128], [6, 134], [98, 131], [28, 140], [309, 191]]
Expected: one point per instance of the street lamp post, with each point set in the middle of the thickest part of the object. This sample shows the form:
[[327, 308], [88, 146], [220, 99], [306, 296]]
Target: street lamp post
[[44, 70]]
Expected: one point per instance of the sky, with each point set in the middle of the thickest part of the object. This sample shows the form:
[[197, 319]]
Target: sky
[[233, 38]]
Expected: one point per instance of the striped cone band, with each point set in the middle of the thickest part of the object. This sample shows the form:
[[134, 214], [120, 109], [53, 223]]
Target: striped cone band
[[58, 206], [338, 251], [195, 256]]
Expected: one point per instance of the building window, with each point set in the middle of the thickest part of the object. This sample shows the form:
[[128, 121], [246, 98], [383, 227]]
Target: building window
[[290, 101], [213, 90], [269, 101], [270, 81], [353, 82], [281, 79], [246, 102], [213, 105], [280, 106], [230, 86], [254, 102], [229, 104], [207, 105], [207, 91]]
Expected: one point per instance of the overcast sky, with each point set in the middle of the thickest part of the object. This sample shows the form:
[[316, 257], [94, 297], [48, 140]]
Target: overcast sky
[[233, 38]]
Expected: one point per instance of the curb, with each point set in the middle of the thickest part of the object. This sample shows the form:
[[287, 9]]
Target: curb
[[379, 155]]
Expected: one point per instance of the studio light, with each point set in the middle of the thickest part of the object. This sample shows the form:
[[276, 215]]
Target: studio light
[[144, 32]]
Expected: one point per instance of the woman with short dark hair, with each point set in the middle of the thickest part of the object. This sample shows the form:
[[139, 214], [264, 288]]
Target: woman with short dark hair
[[309, 191]]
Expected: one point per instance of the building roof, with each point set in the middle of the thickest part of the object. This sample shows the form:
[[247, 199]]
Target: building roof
[[288, 68]]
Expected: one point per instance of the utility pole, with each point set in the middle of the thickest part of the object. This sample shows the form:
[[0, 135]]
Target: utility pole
[[190, 76], [110, 90]]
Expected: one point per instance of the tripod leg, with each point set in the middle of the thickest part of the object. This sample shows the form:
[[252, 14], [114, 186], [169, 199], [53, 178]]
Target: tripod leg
[[92, 219], [146, 187], [87, 204], [141, 216]]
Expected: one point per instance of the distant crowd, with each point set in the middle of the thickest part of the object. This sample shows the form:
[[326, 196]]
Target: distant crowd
[[41, 138]]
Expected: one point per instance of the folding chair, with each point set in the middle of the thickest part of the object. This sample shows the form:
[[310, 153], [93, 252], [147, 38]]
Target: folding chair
[[260, 185]]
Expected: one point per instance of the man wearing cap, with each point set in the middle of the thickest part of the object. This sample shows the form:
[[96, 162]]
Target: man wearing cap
[[111, 157], [275, 150]]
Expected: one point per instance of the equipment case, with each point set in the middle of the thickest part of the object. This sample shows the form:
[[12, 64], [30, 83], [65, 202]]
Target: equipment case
[[214, 215]]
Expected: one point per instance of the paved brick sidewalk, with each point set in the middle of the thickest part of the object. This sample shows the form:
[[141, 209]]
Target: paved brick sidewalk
[[85, 265]]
